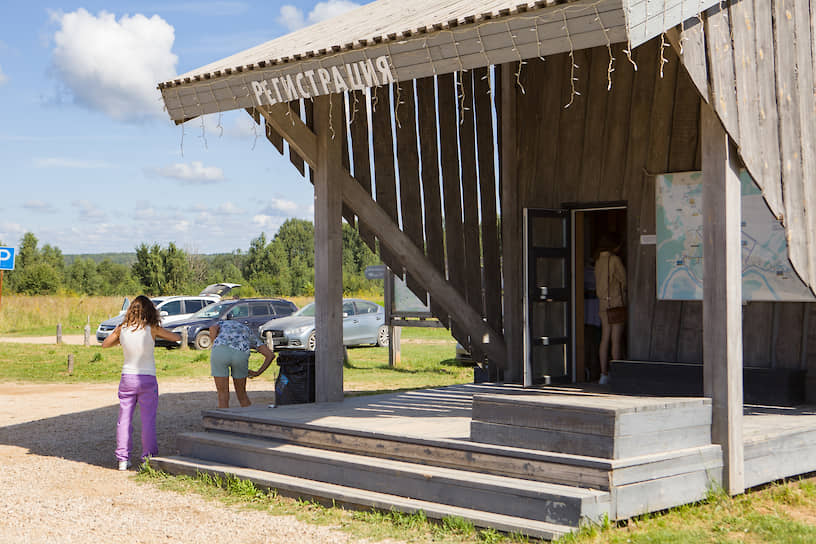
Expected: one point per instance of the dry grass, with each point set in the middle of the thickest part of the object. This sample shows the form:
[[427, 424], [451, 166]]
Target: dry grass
[[36, 315]]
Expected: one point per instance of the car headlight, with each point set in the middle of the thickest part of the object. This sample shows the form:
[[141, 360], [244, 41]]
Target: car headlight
[[298, 330], [178, 330]]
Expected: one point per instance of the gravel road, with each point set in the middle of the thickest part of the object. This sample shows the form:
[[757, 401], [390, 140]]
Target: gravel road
[[59, 484]]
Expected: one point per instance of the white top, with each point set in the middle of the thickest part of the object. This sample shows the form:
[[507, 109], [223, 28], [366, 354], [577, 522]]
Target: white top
[[137, 345]]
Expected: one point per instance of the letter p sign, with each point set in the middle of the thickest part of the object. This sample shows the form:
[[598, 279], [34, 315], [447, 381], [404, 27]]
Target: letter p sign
[[6, 258]]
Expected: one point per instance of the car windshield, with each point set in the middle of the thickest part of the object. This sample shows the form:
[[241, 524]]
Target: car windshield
[[306, 311], [213, 310], [157, 301]]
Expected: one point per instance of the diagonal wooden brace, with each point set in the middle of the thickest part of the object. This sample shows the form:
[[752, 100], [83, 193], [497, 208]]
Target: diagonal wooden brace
[[304, 141]]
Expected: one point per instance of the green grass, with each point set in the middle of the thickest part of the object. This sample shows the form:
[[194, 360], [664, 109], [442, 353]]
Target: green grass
[[780, 513], [425, 363], [371, 525]]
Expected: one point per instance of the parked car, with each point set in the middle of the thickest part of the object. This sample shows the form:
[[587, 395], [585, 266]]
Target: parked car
[[251, 311], [363, 323], [172, 309]]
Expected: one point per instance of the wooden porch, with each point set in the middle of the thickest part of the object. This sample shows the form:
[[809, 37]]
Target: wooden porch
[[431, 450]]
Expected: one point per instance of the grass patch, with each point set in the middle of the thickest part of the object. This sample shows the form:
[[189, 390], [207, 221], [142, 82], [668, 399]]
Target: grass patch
[[372, 525], [423, 365], [781, 513], [23, 315]]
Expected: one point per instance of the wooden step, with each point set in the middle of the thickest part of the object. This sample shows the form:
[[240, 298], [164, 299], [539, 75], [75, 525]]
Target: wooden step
[[540, 501], [359, 498], [610, 427], [552, 467]]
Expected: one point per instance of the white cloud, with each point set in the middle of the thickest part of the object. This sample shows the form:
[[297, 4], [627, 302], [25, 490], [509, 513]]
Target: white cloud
[[88, 211], [228, 208], [62, 162], [112, 65], [267, 223], [278, 207], [38, 206], [3, 77], [195, 172], [292, 17], [11, 232]]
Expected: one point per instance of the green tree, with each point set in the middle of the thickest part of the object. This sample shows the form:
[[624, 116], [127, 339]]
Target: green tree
[[177, 273], [116, 279], [83, 277], [266, 268], [149, 268], [39, 278]]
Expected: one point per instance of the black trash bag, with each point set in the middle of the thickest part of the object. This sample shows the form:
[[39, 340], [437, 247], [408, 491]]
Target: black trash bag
[[295, 383]]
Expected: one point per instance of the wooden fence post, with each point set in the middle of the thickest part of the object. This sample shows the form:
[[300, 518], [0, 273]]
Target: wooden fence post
[[59, 333]]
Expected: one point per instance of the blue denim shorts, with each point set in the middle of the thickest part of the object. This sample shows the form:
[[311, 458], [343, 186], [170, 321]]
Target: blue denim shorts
[[225, 360]]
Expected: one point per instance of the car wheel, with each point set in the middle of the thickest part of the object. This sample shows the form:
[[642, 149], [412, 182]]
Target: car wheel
[[202, 340], [311, 343], [382, 336]]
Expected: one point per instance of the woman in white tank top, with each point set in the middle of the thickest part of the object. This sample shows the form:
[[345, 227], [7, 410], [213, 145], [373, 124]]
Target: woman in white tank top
[[137, 335]]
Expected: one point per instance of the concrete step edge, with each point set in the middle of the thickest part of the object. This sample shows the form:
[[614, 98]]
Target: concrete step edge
[[344, 495]]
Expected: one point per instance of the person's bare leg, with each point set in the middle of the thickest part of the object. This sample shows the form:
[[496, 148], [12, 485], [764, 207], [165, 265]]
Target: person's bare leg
[[617, 341], [603, 350], [240, 391], [222, 387]]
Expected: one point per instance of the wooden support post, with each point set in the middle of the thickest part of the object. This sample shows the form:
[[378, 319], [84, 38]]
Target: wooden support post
[[394, 347], [185, 338], [722, 296], [59, 333], [87, 330], [328, 250], [70, 363], [511, 229]]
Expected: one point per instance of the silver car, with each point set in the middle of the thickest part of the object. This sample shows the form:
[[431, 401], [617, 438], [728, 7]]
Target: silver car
[[363, 323]]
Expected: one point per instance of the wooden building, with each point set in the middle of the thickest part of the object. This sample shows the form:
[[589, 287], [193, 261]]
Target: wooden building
[[482, 146]]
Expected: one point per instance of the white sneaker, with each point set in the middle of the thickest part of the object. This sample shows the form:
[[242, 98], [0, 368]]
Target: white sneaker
[[124, 465], [604, 379]]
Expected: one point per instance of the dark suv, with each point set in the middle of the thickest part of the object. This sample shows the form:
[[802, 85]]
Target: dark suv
[[253, 312]]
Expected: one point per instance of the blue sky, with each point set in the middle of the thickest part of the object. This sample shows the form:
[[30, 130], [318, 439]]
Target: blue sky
[[90, 163]]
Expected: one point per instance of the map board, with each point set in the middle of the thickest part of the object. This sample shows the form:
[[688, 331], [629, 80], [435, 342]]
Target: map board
[[766, 271]]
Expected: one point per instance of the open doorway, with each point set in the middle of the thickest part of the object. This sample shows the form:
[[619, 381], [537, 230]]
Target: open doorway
[[589, 224]]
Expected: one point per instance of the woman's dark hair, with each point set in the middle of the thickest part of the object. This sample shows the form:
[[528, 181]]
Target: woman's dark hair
[[607, 242], [141, 313]]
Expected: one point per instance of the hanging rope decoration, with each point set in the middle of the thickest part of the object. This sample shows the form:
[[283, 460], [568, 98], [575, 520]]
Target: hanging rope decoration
[[538, 19], [204, 133], [573, 91]]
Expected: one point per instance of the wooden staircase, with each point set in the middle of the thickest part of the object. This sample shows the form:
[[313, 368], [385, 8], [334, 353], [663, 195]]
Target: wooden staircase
[[543, 494]]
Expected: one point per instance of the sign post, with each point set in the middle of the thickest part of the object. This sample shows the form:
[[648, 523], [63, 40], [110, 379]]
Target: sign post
[[6, 263]]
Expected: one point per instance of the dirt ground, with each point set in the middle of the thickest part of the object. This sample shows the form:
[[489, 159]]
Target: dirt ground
[[59, 481]]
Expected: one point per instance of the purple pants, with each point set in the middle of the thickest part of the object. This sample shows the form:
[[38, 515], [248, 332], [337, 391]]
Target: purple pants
[[144, 390]]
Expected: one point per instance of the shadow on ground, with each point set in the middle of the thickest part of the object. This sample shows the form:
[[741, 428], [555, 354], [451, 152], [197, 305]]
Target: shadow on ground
[[89, 436]]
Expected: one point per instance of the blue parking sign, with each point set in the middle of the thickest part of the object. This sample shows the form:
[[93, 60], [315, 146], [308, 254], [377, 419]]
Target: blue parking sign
[[6, 258]]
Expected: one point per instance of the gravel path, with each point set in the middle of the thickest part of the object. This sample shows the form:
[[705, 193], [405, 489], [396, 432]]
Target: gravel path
[[58, 481]]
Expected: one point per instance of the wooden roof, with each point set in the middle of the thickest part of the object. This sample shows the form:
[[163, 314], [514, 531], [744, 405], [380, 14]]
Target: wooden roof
[[418, 39]]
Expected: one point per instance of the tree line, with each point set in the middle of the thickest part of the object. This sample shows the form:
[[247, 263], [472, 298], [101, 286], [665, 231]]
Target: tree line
[[281, 266]]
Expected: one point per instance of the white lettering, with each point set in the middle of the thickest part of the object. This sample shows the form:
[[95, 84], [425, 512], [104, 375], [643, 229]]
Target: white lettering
[[310, 75], [277, 90], [325, 79], [258, 89], [339, 82], [385, 69], [356, 82], [369, 73], [289, 87], [299, 83], [267, 93]]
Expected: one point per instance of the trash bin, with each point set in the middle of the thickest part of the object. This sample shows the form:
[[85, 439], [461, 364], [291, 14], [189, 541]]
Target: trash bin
[[295, 383]]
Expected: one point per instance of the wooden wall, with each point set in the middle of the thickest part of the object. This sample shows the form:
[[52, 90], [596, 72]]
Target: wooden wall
[[606, 146]]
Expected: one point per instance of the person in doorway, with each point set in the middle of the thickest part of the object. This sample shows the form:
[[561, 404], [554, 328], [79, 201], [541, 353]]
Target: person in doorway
[[610, 286], [137, 335], [232, 341]]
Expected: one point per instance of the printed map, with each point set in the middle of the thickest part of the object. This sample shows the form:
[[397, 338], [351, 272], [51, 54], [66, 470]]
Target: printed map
[[766, 271]]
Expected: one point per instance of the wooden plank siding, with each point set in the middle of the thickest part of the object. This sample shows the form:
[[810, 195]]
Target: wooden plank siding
[[431, 193], [294, 157], [385, 179], [470, 194], [483, 106], [408, 164], [358, 116]]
